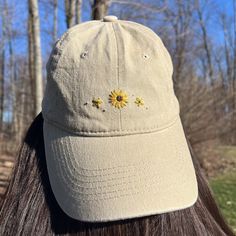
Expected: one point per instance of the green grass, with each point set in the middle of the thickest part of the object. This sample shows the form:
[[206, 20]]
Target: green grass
[[224, 184], [224, 188]]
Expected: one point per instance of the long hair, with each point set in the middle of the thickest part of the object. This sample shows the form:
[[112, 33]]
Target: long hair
[[29, 207]]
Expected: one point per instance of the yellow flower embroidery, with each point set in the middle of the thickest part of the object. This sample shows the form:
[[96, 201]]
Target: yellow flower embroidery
[[97, 102], [118, 98], [139, 101]]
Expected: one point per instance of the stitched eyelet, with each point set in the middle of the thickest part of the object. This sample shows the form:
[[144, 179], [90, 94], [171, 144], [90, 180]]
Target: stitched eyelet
[[146, 56], [84, 54]]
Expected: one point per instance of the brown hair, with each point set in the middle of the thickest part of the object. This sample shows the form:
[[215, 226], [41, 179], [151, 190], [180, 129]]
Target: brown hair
[[29, 206]]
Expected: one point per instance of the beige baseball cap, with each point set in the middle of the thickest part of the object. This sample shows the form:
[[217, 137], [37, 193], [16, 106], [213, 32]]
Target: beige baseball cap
[[114, 142]]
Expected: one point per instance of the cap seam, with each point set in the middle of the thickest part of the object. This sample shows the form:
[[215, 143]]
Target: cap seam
[[122, 194], [68, 179], [69, 176], [101, 195], [110, 132], [118, 68]]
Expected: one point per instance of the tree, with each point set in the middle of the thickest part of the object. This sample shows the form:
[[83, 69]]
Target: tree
[[205, 41], [70, 13], [37, 58], [99, 9], [2, 68], [55, 13], [78, 7]]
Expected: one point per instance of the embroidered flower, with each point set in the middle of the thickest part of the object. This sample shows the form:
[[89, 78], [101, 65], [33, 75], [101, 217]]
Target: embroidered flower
[[97, 102], [118, 98], [139, 101]]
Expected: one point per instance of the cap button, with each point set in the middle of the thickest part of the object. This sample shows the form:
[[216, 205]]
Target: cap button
[[110, 18]]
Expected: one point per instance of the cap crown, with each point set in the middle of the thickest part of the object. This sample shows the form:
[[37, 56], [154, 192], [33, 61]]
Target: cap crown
[[89, 66]]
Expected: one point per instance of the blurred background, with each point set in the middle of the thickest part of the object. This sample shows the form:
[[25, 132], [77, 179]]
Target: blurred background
[[201, 38]]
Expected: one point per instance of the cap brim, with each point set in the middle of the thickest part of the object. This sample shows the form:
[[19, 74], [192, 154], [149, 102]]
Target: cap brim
[[120, 177]]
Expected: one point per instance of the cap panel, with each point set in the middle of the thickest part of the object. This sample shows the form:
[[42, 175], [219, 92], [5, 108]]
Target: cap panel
[[94, 60], [62, 42], [147, 32], [85, 70], [144, 72]]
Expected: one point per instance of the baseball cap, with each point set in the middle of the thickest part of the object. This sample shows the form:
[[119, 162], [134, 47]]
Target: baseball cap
[[114, 142]]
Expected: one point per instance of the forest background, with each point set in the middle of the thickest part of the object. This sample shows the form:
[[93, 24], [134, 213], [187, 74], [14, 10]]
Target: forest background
[[201, 38]]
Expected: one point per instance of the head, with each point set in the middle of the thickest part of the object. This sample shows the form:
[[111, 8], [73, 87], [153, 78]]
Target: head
[[30, 208]]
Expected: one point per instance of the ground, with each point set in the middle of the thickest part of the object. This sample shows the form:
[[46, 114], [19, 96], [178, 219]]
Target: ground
[[222, 174], [224, 188]]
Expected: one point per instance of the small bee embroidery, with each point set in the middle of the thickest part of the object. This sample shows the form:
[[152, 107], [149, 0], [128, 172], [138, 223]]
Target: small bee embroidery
[[139, 101], [97, 102]]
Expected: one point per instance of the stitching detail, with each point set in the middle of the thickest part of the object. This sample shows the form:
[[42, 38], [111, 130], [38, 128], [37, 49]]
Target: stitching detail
[[122, 186], [147, 189], [136, 170], [114, 132], [118, 68], [121, 172], [76, 178], [118, 169], [103, 195], [119, 192]]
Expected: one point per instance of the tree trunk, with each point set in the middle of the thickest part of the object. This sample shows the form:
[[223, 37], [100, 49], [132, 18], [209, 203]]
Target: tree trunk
[[31, 66], [99, 9], [205, 44], [2, 73], [13, 88], [37, 62], [234, 78], [78, 6], [55, 13], [2, 95], [70, 13]]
